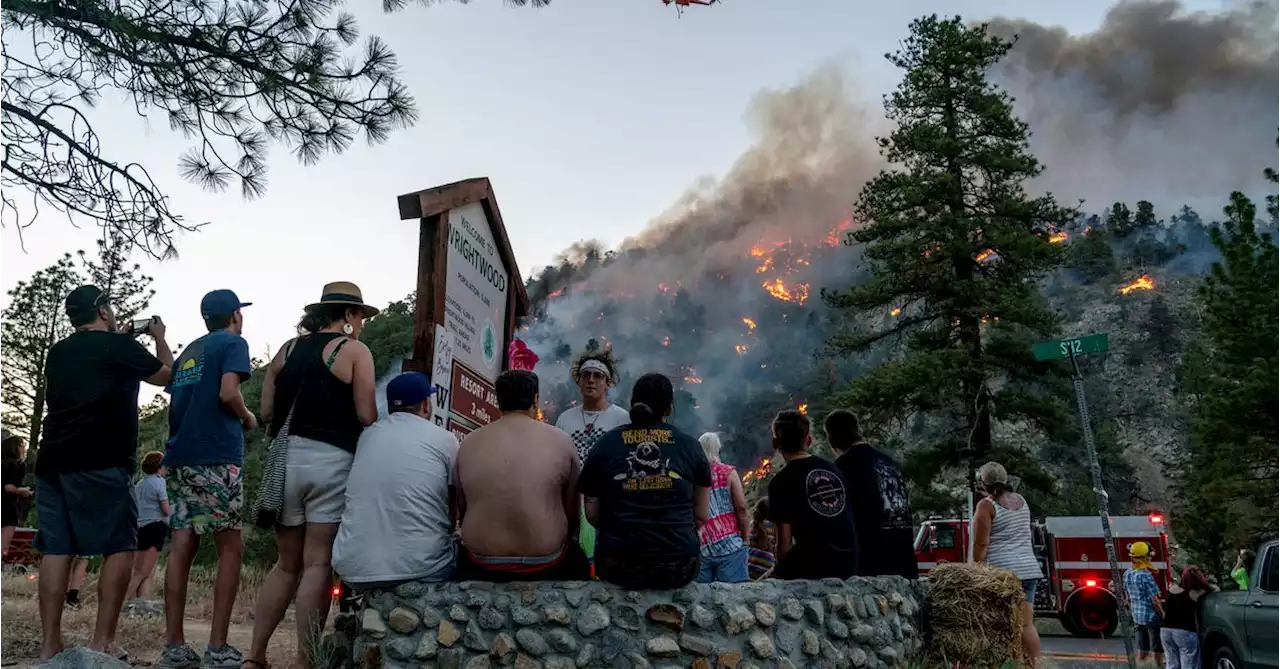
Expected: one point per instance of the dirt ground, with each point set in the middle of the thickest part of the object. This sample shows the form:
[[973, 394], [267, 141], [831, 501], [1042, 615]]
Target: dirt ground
[[141, 636]]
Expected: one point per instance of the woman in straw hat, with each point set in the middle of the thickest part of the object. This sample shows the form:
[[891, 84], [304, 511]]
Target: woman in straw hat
[[322, 386], [1002, 538]]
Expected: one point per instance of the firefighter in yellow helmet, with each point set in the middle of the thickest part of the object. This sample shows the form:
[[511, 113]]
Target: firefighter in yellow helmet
[[1144, 599]]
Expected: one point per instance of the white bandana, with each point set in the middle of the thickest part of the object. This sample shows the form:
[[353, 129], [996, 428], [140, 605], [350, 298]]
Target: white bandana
[[597, 366]]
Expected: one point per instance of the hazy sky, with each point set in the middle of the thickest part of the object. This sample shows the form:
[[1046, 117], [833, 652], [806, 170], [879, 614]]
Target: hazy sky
[[590, 117]]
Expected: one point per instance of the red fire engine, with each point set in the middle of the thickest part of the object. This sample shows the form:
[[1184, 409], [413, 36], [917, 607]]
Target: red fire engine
[[1073, 556]]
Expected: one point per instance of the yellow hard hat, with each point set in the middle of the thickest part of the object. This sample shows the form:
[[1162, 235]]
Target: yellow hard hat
[[1139, 549]]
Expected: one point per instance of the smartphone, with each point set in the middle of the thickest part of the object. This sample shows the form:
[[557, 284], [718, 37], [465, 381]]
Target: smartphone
[[142, 326]]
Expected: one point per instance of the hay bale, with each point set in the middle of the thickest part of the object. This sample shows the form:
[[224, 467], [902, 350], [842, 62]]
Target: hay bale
[[973, 616]]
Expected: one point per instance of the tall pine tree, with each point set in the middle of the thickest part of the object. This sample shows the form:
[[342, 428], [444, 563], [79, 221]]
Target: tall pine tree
[[955, 247]]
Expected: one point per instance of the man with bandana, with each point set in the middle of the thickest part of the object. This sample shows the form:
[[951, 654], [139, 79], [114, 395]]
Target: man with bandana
[[595, 373]]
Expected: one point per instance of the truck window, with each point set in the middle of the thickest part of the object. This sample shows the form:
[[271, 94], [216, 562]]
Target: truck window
[[1268, 578], [946, 536]]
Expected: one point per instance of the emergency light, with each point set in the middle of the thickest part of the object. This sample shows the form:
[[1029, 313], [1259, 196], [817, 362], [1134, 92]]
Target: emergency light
[[1090, 583], [1156, 519]]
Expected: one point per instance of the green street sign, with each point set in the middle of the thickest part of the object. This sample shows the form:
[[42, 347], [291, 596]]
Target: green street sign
[[1065, 348]]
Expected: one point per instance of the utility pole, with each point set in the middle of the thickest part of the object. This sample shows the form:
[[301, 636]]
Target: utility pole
[[1072, 349]]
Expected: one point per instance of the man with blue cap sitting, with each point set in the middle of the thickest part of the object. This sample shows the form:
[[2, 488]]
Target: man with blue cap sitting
[[398, 521]]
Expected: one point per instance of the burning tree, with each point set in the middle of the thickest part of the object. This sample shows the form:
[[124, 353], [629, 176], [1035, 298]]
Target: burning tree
[[955, 247]]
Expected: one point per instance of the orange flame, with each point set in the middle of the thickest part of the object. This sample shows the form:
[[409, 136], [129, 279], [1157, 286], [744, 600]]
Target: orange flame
[[740, 348], [804, 408], [1057, 238], [833, 237], [539, 414], [751, 324], [986, 253], [766, 465], [1144, 282], [896, 311], [778, 288]]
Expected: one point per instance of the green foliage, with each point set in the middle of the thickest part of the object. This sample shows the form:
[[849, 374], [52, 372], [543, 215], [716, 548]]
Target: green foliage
[[1092, 256], [129, 288], [1161, 327], [954, 242], [389, 335], [1228, 477]]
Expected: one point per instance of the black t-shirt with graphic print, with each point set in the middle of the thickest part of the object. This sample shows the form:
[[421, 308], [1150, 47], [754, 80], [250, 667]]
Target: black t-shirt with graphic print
[[644, 479], [810, 496]]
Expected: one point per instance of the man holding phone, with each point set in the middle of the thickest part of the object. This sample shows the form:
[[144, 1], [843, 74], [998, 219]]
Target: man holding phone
[[207, 420], [88, 454]]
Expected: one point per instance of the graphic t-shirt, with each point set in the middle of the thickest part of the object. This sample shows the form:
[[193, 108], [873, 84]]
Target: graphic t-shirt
[[201, 430], [809, 495], [881, 512], [644, 479], [92, 396], [148, 493], [586, 427]]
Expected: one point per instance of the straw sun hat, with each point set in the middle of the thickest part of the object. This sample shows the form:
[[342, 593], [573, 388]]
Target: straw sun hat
[[344, 292]]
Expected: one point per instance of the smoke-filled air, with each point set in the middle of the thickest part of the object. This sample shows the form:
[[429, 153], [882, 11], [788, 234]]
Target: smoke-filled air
[[722, 290]]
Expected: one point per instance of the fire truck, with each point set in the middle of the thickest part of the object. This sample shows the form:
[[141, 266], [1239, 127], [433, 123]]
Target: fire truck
[[1077, 589]]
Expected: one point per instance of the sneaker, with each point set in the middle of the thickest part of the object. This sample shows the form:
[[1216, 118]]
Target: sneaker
[[226, 657], [178, 657]]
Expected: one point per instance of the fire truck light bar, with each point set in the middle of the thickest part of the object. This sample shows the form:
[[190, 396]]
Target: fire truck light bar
[[1156, 518], [1090, 583]]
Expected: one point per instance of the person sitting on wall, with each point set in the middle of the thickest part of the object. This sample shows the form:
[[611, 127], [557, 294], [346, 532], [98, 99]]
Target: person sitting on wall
[[809, 507], [516, 482], [398, 521], [647, 488]]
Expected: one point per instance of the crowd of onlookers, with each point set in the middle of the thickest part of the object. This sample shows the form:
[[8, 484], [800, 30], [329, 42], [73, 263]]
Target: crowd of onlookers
[[614, 493]]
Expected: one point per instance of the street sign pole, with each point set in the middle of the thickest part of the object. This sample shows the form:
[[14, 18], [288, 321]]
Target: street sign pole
[[1072, 349], [1117, 579]]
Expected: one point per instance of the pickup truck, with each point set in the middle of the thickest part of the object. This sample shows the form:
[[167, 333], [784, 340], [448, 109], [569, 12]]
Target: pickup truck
[[1238, 627]]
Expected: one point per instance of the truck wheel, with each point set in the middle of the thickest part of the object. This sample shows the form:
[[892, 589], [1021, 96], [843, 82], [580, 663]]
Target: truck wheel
[[1068, 624], [1225, 658], [1092, 618]]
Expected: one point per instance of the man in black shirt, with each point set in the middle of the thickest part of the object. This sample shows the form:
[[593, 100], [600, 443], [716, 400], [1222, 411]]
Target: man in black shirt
[[88, 453], [809, 507], [878, 497]]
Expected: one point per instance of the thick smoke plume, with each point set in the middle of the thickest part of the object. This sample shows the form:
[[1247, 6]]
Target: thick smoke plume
[[1157, 104]]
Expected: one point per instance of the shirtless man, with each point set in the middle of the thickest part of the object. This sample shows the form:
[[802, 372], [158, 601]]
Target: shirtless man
[[516, 482]]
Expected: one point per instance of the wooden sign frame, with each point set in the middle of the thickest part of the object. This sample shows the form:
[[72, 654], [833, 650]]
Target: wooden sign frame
[[431, 208]]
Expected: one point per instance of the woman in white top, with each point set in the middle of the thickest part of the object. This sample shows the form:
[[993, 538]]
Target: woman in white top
[[1002, 538], [595, 373]]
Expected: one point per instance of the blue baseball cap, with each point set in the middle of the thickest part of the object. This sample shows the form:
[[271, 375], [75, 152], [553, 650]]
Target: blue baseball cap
[[221, 303], [409, 389]]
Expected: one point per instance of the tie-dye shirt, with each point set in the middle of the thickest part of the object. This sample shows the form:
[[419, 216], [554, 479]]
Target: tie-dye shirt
[[721, 535]]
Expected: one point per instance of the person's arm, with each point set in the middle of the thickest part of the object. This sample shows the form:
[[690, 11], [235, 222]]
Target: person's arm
[[589, 479], [460, 500], [701, 506], [163, 352], [572, 512], [364, 384], [982, 529], [267, 408], [782, 538], [1155, 594], [235, 369], [702, 490], [739, 497], [163, 498], [138, 362], [591, 509]]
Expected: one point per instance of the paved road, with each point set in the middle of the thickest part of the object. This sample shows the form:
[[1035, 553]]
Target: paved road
[[1067, 652]]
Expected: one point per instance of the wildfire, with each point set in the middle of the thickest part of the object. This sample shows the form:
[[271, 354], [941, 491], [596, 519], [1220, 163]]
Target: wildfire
[[555, 293], [740, 348], [1057, 238], [778, 288], [1144, 282], [985, 255], [759, 472], [833, 237], [666, 341], [803, 408], [896, 311], [751, 324], [765, 266], [693, 379], [539, 414]]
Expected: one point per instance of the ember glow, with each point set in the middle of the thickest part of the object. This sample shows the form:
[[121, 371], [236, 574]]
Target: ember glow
[[803, 408], [693, 378], [836, 235], [740, 348], [779, 289], [985, 255], [1144, 282], [751, 325], [896, 311], [759, 472], [1057, 238]]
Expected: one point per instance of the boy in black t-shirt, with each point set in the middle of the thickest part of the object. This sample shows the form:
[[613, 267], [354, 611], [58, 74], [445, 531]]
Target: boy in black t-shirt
[[809, 507]]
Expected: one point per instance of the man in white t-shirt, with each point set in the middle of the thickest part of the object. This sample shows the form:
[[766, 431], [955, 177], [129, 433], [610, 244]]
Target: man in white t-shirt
[[398, 522], [595, 374]]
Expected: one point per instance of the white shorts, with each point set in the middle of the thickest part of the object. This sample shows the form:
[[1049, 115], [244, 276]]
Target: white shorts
[[315, 482]]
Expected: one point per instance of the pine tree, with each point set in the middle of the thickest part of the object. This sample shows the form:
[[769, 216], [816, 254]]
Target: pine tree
[[1228, 477], [955, 247], [34, 321], [129, 288]]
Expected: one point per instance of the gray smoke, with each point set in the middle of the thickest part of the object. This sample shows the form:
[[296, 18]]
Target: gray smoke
[[1159, 103]]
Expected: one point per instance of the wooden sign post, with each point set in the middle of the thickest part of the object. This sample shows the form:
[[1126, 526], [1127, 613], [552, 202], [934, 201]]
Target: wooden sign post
[[470, 296]]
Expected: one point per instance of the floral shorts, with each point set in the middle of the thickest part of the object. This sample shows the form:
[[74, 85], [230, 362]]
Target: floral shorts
[[206, 498]]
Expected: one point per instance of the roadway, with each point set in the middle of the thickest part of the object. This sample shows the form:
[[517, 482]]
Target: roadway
[[1068, 652]]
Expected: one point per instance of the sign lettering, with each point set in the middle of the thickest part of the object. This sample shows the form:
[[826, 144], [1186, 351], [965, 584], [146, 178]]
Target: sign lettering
[[1067, 348], [474, 398], [475, 292]]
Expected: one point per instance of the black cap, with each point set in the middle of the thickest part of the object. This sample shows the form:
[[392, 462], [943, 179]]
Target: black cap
[[86, 299]]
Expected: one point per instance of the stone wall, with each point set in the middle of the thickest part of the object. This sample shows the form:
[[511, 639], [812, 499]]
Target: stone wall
[[579, 625]]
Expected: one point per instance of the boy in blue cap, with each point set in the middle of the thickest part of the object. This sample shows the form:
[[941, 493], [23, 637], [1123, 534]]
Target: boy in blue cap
[[207, 421]]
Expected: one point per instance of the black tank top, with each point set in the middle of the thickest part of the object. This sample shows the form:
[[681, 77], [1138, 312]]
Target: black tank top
[[325, 408]]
